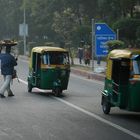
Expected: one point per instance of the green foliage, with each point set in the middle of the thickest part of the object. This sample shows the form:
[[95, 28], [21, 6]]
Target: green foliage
[[115, 44], [127, 29], [83, 32], [138, 37], [68, 21], [64, 24], [138, 32], [10, 17]]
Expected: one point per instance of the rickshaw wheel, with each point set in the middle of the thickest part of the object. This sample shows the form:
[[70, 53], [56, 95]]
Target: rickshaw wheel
[[29, 87], [106, 106], [57, 92]]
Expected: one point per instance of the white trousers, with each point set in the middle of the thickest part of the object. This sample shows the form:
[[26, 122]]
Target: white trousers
[[6, 85]]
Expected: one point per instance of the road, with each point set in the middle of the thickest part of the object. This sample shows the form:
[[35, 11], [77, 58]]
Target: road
[[77, 115]]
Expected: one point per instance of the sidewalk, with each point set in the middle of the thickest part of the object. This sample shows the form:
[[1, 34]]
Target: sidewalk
[[92, 71], [93, 67]]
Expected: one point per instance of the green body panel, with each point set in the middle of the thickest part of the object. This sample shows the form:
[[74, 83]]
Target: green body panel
[[128, 96], [108, 86], [49, 78], [123, 96], [119, 98], [134, 97]]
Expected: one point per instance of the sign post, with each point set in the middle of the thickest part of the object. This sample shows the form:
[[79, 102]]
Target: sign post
[[23, 30], [93, 42]]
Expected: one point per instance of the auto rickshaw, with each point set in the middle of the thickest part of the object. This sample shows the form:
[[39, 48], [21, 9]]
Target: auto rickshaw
[[49, 69], [122, 81]]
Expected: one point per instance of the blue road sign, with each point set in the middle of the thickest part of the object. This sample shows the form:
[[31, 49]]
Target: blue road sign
[[100, 42], [103, 33], [103, 29]]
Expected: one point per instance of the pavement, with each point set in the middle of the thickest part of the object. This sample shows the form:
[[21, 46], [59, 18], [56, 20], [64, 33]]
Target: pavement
[[92, 71]]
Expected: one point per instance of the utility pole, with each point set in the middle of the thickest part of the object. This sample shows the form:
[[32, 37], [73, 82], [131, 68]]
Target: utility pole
[[24, 23], [93, 42]]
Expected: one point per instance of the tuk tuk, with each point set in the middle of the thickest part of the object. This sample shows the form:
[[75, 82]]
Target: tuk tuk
[[122, 81], [49, 69]]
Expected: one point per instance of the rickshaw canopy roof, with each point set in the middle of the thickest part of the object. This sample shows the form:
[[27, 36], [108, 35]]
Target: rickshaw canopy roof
[[42, 49], [124, 53]]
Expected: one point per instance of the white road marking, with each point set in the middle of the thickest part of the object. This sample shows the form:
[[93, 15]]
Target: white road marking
[[3, 133], [135, 135]]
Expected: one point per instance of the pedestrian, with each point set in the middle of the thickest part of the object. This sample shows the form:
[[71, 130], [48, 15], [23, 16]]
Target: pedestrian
[[7, 67], [87, 57], [99, 60], [80, 55]]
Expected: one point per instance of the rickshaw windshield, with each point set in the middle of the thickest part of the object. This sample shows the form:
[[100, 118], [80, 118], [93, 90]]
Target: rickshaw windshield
[[136, 64], [55, 58]]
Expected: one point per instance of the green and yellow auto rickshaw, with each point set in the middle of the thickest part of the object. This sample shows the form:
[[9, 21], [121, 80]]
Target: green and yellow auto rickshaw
[[122, 81], [49, 69]]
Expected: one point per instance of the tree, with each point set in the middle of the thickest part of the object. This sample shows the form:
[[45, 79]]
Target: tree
[[138, 36], [127, 7], [112, 10], [83, 32], [42, 14], [10, 15], [127, 29], [64, 26]]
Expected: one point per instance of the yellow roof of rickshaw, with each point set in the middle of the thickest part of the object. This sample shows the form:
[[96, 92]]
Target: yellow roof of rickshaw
[[123, 53], [41, 49]]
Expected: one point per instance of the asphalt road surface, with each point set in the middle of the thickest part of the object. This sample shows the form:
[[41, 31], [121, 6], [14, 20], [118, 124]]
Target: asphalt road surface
[[76, 115]]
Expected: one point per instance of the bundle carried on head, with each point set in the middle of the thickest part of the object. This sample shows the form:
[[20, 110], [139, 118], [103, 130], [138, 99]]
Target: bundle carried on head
[[8, 43]]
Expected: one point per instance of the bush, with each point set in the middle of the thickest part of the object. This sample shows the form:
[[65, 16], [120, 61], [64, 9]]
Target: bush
[[115, 44]]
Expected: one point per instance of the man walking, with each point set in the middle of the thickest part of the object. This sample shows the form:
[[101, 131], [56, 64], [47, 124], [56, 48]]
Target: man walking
[[7, 67], [80, 55]]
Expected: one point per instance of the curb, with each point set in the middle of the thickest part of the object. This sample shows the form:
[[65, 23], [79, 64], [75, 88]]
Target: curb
[[88, 75]]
